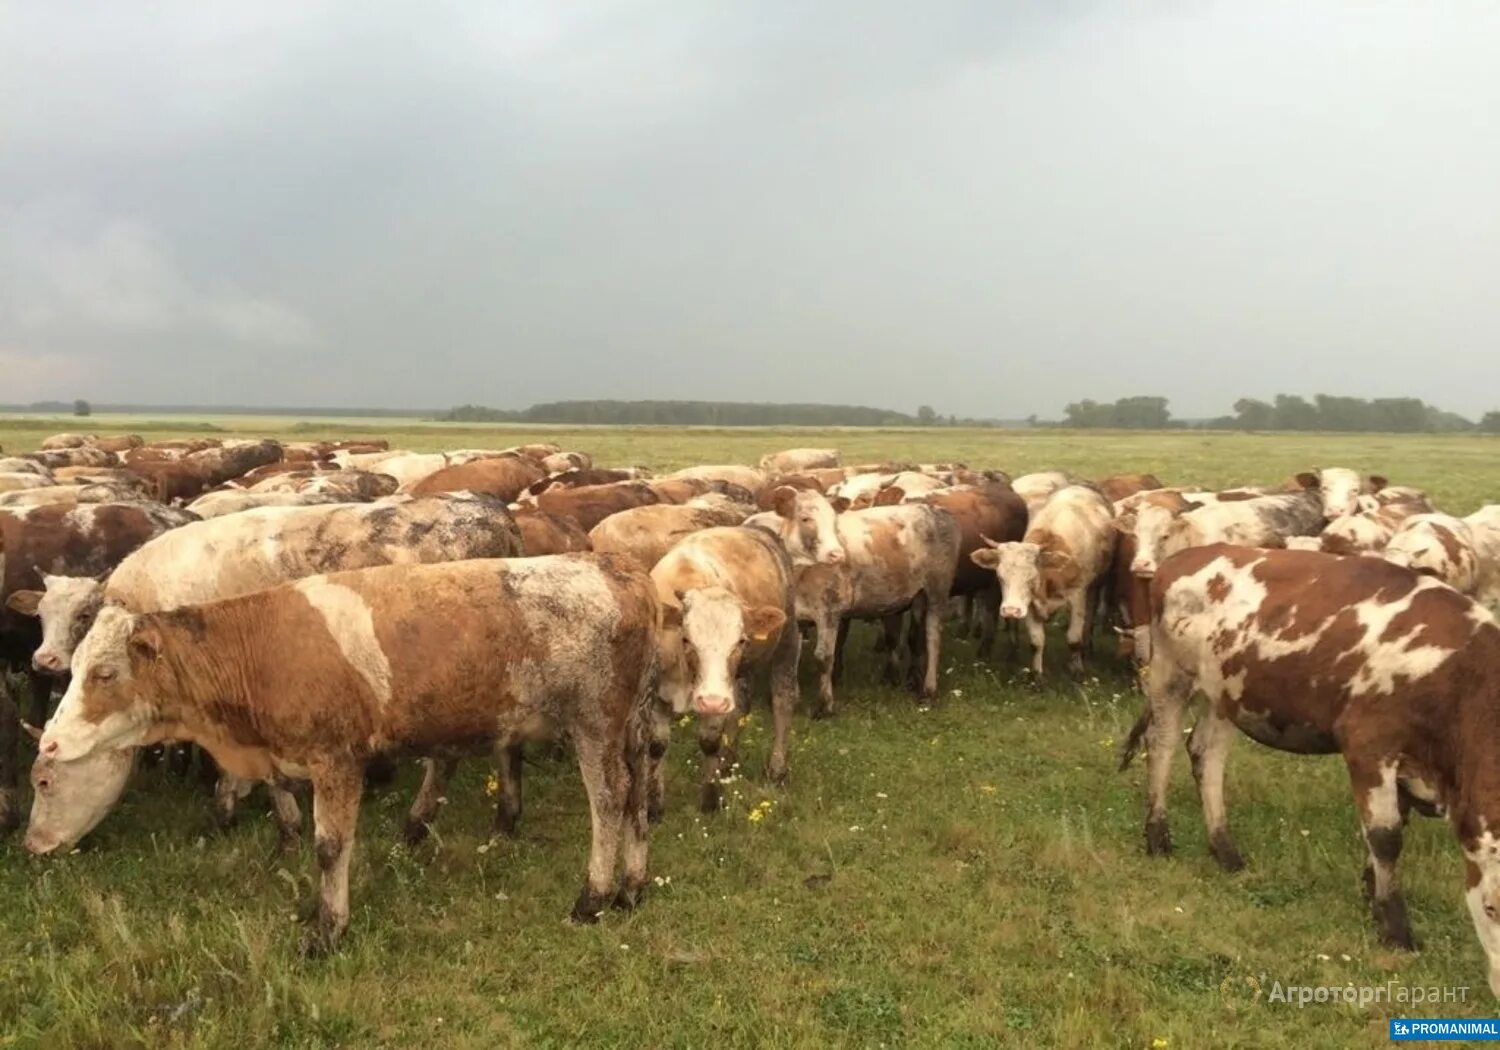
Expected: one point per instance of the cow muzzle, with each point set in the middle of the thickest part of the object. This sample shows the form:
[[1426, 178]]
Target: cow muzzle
[[1142, 571], [833, 556], [48, 663], [38, 846], [1012, 612], [707, 704]]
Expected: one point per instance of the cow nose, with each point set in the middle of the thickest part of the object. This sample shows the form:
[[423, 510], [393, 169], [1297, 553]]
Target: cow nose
[[38, 846], [834, 556], [1142, 569], [1012, 612], [46, 662], [707, 704]]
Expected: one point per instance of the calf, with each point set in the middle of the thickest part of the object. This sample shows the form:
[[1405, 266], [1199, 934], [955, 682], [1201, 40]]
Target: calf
[[1314, 654], [647, 533], [314, 679], [727, 609], [1061, 563]]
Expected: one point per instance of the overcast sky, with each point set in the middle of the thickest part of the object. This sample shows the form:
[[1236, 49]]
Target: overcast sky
[[993, 208]]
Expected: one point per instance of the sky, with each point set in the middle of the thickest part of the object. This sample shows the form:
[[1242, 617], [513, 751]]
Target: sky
[[993, 208]]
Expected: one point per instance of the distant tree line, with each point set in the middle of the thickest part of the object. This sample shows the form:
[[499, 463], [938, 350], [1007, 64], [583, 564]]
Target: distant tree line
[[689, 413], [1397, 415]]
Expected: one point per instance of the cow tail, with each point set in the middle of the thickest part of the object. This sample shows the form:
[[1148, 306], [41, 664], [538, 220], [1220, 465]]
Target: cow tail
[[1133, 741]]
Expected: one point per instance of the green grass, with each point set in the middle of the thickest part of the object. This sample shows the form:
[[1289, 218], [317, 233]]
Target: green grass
[[968, 875]]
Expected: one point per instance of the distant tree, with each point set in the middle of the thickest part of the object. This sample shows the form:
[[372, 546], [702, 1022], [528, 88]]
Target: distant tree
[[1490, 423], [1252, 414], [1295, 413], [926, 415], [82, 408]]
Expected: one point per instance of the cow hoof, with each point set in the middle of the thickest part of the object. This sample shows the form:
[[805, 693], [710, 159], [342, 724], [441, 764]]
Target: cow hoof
[[1158, 839], [318, 942], [630, 896], [1227, 856], [654, 813], [708, 799], [823, 711], [1402, 940], [288, 843], [776, 772], [588, 908], [416, 831]]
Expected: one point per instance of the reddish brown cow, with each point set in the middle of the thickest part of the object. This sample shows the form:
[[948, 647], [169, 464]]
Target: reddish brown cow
[[591, 504], [991, 511], [573, 479], [543, 533], [503, 476], [1119, 486], [1316, 654]]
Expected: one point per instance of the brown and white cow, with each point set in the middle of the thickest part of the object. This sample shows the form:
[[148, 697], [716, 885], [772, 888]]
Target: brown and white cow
[[647, 533], [747, 478], [1062, 563], [991, 511], [1339, 489], [727, 610], [588, 505], [314, 679], [1036, 489], [572, 479], [1122, 486], [503, 476], [543, 533], [1256, 521], [353, 486], [799, 460], [69, 495], [242, 553], [1437, 545], [17, 481], [1315, 654], [236, 501]]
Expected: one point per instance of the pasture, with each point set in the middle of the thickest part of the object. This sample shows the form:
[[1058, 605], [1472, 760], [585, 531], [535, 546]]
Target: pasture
[[965, 874]]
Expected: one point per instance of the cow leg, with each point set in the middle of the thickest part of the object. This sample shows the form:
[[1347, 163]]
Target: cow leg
[[288, 816], [10, 758], [41, 697], [1381, 813], [1208, 750], [783, 701], [228, 790], [891, 631], [1091, 612], [718, 738], [987, 605], [661, 736], [336, 792], [838, 651], [1168, 691], [1078, 627], [508, 810], [932, 648], [606, 778], [823, 652], [435, 776], [1036, 629], [915, 639], [635, 824]]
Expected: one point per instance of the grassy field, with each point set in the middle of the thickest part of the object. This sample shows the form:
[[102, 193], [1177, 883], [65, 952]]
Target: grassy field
[[969, 874]]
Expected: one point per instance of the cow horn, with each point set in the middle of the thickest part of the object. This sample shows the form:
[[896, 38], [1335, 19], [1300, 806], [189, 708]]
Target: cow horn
[[988, 542], [31, 730]]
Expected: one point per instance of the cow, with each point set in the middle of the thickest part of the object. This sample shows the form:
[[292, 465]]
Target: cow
[[908, 487], [799, 460], [258, 549], [1339, 489], [543, 533], [65, 540], [1364, 532], [353, 485], [234, 501], [747, 478], [590, 504], [1314, 654], [992, 511], [23, 465], [1036, 489], [561, 461], [1255, 521], [1062, 562], [1437, 545], [647, 533], [68, 495], [572, 479], [727, 610], [314, 679], [60, 441], [506, 477], [188, 477], [84, 456], [16, 482], [1122, 486]]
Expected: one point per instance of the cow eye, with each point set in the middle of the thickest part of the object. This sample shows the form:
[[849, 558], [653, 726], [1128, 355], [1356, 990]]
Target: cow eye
[[104, 674], [1492, 911], [43, 784]]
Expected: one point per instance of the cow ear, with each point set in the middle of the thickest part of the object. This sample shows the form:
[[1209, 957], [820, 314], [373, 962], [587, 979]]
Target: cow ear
[[1308, 480], [1192, 504], [783, 500], [1377, 482], [24, 602], [762, 622], [1125, 524], [145, 642], [839, 504], [986, 558]]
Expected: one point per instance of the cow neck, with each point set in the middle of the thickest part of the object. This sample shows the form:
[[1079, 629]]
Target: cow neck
[[210, 690]]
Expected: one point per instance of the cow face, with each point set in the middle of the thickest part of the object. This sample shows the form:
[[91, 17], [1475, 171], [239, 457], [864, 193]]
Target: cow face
[[107, 705], [1340, 489], [1482, 872], [714, 631], [1019, 567], [809, 526], [1159, 532], [69, 799], [67, 609]]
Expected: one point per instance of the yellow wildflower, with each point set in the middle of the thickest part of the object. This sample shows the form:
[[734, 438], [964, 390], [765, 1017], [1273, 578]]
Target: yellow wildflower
[[491, 786]]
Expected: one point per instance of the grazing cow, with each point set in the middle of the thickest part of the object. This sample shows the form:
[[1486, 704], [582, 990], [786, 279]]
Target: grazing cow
[[505, 477], [1256, 521], [1314, 654], [68, 495], [258, 549], [1438, 545], [543, 533], [1037, 489], [727, 609], [991, 511], [799, 460], [1061, 563], [1123, 486], [62, 540], [314, 679], [591, 504], [572, 479], [235, 501], [562, 461], [647, 533], [1339, 489], [747, 478]]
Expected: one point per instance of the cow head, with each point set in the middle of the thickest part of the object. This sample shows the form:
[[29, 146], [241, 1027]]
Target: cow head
[[1159, 532], [67, 608], [1026, 572], [809, 527], [109, 703], [1340, 489], [69, 799], [713, 630]]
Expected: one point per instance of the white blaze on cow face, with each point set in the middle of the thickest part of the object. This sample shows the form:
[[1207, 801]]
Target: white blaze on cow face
[[1483, 899], [1019, 568], [349, 621], [716, 628], [67, 609], [104, 683], [1340, 489], [69, 799], [1156, 536], [809, 527]]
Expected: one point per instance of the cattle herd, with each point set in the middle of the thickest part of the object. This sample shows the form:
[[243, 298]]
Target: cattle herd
[[300, 612]]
